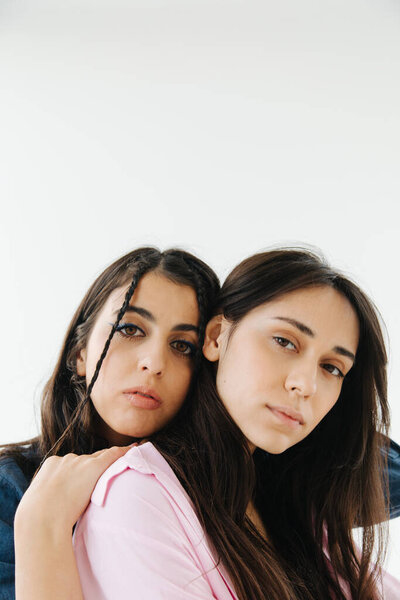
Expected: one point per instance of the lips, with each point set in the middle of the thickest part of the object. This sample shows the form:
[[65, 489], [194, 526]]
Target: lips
[[286, 412], [143, 398], [143, 391]]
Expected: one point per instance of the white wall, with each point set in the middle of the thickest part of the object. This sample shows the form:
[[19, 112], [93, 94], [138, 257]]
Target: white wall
[[219, 126]]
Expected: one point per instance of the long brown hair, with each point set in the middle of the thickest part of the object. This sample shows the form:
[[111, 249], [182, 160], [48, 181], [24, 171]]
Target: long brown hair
[[312, 495], [67, 413]]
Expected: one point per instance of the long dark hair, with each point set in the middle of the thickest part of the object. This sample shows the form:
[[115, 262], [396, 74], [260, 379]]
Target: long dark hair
[[312, 495], [67, 413]]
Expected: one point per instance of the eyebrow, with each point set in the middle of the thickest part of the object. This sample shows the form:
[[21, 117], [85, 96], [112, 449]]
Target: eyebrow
[[146, 314], [344, 352], [304, 329]]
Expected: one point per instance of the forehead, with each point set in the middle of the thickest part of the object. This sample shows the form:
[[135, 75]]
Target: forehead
[[323, 309], [164, 298]]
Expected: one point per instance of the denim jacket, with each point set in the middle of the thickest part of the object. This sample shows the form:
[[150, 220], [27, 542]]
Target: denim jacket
[[14, 481], [394, 479]]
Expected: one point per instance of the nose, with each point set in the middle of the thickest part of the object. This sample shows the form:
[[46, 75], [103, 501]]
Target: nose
[[302, 379], [152, 359]]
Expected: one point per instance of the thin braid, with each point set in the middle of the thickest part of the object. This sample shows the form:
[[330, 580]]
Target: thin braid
[[78, 410], [206, 286], [135, 280]]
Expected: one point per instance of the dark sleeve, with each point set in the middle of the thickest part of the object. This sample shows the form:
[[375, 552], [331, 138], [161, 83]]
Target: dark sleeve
[[394, 478], [10, 495]]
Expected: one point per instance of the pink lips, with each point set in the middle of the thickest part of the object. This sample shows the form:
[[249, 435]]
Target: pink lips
[[287, 415], [143, 397]]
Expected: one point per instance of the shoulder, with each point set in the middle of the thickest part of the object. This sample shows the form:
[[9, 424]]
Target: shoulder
[[144, 527], [143, 468], [393, 461], [13, 484], [138, 492], [394, 451], [17, 469]]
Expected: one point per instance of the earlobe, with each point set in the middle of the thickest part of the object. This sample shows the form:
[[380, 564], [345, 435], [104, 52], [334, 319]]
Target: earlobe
[[81, 363], [212, 342]]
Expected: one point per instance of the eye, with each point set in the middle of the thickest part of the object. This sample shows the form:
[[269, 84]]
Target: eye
[[285, 343], [129, 330], [183, 347], [333, 370]]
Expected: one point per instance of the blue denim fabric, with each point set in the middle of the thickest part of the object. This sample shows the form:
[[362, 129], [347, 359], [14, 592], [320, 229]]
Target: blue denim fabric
[[13, 484], [394, 479]]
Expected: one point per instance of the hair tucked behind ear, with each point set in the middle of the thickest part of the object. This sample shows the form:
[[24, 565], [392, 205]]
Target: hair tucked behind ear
[[311, 496], [68, 415]]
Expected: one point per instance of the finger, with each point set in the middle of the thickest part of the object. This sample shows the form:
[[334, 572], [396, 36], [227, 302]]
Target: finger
[[103, 450], [98, 452], [110, 455]]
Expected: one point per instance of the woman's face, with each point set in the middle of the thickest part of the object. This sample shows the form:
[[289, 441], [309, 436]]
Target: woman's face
[[280, 371], [146, 373]]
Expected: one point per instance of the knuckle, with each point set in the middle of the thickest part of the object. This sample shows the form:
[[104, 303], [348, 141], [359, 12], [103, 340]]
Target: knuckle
[[70, 457]]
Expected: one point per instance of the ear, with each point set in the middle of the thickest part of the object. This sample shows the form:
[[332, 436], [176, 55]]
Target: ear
[[81, 363], [212, 339]]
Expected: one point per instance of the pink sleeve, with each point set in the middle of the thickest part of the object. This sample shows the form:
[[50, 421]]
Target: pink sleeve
[[135, 546]]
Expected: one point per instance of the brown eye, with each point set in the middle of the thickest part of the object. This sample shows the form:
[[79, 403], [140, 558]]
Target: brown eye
[[129, 330], [333, 370], [183, 347], [285, 343]]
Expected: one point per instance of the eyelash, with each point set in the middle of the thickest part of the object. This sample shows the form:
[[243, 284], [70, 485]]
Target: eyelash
[[340, 375], [122, 327]]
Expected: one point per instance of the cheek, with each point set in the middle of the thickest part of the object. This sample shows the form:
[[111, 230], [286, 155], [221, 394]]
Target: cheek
[[179, 378], [117, 367], [233, 379], [250, 366], [95, 347]]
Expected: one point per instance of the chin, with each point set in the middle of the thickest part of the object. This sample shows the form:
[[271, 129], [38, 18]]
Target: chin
[[138, 433], [274, 449], [277, 446]]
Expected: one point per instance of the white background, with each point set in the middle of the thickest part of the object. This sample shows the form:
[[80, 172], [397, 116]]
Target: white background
[[219, 126]]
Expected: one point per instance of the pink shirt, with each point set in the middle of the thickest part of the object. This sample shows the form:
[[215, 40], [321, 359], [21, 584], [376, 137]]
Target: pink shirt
[[140, 538]]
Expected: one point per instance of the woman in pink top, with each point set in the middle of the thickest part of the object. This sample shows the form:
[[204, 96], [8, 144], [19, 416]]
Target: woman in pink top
[[278, 461]]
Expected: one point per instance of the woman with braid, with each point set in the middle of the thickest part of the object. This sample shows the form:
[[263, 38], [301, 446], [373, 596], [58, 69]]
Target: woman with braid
[[252, 490], [174, 293]]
